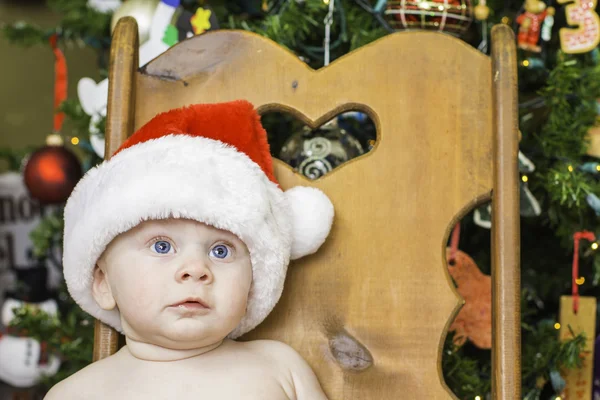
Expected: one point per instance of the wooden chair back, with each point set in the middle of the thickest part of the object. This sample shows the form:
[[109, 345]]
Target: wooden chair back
[[369, 311]]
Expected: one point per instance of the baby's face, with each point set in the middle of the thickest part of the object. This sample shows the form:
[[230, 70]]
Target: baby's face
[[178, 283]]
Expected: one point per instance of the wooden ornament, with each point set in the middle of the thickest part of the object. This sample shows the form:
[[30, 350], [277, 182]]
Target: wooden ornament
[[474, 321], [579, 381], [586, 36]]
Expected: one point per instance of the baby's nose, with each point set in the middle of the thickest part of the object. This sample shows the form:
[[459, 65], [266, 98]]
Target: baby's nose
[[194, 270]]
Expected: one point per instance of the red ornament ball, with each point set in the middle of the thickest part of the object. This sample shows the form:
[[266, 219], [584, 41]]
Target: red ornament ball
[[450, 16], [51, 173]]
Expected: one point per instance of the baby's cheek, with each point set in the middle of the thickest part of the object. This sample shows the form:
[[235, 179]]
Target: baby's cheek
[[137, 296], [237, 299]]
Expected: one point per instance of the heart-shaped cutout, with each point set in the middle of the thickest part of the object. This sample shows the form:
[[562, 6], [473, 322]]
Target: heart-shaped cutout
[[315, 152]]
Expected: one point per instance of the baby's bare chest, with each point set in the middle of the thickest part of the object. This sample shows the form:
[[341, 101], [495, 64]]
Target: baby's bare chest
[[233, 382]]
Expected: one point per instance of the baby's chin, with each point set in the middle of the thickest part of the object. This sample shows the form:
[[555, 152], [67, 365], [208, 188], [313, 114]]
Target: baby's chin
[[182, 335]]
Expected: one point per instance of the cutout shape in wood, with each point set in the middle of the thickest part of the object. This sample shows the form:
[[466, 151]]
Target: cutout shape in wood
[[381, 275], [314, 153]]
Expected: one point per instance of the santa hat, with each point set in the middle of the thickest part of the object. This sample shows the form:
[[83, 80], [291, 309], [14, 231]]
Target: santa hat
[[209, 163]]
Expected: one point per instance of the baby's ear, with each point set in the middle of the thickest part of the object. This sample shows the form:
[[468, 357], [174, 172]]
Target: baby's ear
[[101, 290]]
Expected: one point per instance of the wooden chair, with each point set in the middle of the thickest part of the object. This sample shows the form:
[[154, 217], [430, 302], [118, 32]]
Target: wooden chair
[[369, 311]]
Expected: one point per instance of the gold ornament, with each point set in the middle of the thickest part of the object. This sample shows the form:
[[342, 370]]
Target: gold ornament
[[481, 11], [142, 11]]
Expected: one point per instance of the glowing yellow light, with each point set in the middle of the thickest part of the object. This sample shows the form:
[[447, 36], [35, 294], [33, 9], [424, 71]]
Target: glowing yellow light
[[525, 63], [580, 281], [524, 178], [598, 167], [75, 140], [326, 1], [594, 246], [477, 397], [54, 139], [570, 168], [504, 20], [557, 326]]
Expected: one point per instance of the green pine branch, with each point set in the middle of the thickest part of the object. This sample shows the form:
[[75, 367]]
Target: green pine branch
[[299, 27], [47, 234], [570, 95]]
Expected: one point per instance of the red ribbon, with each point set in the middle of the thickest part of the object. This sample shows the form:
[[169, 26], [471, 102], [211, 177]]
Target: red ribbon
[[454, 242], [577, 236], [60, 82]]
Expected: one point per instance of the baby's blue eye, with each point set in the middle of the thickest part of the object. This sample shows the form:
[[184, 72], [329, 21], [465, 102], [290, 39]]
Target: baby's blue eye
[[221, 251], [162, 247]]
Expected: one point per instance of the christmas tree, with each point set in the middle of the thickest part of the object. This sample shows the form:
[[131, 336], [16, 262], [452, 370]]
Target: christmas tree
[[559, 84]]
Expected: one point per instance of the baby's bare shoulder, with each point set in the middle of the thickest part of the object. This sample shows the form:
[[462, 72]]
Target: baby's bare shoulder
[[284, 357], [88, 383], [269, 347]]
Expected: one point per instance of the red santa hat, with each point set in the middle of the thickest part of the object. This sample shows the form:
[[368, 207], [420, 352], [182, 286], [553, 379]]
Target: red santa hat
[[210, 163]]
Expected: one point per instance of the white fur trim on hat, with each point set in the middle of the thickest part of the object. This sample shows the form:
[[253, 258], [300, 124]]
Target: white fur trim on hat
[[183, 177]]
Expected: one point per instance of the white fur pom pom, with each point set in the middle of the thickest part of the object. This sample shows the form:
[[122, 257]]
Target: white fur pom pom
[[312, 216]]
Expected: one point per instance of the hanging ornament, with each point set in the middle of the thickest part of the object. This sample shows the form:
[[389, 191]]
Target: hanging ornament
[[315, 153], [578, 316], [547, 28], [530, 24], [482, 216], [186, 24], [481, 11], [450, 16], [24, 361], [594, 202], [51, 173], [586, 36], [474, 321], [529, 206], [590, 167]]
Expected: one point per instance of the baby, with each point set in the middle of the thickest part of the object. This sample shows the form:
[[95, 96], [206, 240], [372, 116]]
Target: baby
[[181, 241]]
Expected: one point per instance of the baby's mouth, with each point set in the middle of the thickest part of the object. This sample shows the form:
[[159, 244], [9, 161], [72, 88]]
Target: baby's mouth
[[192, 303]]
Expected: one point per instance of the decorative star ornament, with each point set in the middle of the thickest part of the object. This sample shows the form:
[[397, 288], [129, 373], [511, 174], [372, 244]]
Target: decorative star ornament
[[201, 20]]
